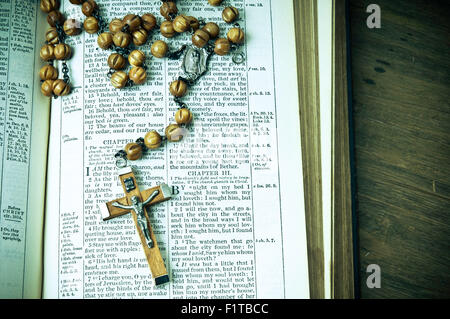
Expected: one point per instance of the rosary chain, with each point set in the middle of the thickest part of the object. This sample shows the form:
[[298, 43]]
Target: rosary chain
[[65, 70], [61, 33], [102, 24], [176, 54]]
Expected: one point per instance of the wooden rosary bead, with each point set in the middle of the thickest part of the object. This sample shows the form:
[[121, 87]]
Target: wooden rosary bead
[[174, 133], [148, 21], [116, 61], [230, 14], [47, 87], [139, 37], [167, 29], [159, 49], [72, 27], [152, 140], [89, 7], [132, 21], [134, 151], [212, 29], [193, 23], [183, 116], [122, 39], [55, 17], [136, 58], [116, 25], [215, 2], [48, 72], [90, 25], [236, 35], [60, 88], [62, 51], [222, 46], [49, 5], [181, 24], [47, 52], [105, 40], [119, 79], [178, 88], [138, 75], [51, 35], [167, 9], [200, 38]]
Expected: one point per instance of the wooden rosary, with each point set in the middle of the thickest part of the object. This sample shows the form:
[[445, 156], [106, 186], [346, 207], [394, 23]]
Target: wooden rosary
[[134, 29]]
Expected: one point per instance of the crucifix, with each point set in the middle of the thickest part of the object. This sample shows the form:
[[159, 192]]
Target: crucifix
[[135, 202]]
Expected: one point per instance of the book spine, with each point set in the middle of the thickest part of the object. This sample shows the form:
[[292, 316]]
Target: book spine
[[352, 155]]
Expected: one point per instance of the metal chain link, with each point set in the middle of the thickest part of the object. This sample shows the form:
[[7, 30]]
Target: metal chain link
[[61, 34], [176, 54], [180, 103], [122, 51], [65, 70], [102, 24]]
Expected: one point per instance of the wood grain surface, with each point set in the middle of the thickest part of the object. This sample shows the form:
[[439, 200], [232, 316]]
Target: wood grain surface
[[402, 146], [153, 254]]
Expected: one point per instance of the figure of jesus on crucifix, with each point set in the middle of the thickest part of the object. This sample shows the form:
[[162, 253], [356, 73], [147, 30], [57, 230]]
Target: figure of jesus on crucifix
[[138, 208], [135, 202]]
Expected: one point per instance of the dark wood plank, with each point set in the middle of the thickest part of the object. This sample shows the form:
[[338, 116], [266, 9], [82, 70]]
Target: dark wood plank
[[401, 115]]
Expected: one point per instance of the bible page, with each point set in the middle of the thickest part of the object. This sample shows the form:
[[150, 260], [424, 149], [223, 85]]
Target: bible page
[[24, 127], [235, 226], [325, 27]]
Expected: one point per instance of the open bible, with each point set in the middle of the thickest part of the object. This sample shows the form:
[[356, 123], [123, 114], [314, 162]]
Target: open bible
[[260, 201]]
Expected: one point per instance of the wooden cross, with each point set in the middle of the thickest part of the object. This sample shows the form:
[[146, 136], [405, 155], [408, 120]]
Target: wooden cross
[[134, 202]]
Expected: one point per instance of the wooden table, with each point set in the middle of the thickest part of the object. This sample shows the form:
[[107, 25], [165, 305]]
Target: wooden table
[[401, 94]]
